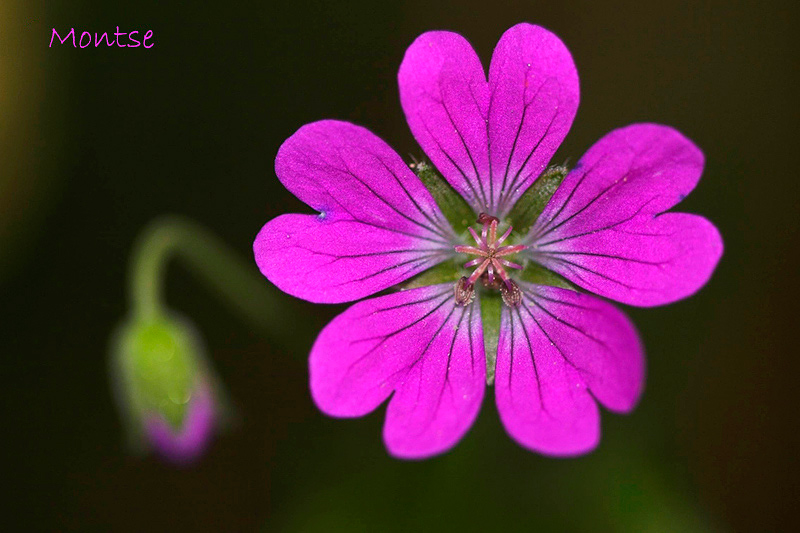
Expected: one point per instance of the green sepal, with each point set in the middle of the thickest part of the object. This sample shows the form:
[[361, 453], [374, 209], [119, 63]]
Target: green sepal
[[491, 308], [447, 272], [533, 201], [455, 209], [157, 361]]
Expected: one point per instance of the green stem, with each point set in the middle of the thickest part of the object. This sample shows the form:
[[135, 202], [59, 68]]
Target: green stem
[[237, 282]]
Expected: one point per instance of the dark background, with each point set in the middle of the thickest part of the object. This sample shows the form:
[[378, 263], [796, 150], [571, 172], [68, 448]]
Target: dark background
[[95, 143]]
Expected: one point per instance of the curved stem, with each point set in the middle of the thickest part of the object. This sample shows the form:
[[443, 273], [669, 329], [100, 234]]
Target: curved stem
[[237, 282]]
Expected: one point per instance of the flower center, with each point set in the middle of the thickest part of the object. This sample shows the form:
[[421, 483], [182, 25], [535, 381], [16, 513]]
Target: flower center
[[490, 264]]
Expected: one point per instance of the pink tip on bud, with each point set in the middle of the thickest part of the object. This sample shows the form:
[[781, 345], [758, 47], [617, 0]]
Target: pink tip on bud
[[184, 445]]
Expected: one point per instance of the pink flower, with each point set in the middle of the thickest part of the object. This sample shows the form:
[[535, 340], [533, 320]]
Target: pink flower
[[605, 230]]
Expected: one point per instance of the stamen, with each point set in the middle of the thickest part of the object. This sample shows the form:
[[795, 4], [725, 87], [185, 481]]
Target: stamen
[[471, 250], [475, 262], [505, 235], [484, 219], [508, 250], [478, 271], [493, 231], [511, 294], [500, 270], [475, 236], [464, 291], [509, 264], [487, 220]]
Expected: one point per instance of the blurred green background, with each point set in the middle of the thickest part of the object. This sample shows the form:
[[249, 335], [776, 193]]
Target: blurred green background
[[95, 143]]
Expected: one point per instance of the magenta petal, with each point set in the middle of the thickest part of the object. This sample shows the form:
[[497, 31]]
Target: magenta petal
[[605, 228], [490, 140], [553, 349], [445, 97], [534, 99], [378, 225], [417, 344]]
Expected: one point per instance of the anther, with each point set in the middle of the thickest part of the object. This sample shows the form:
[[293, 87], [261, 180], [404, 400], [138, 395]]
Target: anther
[[464, 291], [483, 218], [511, 294]]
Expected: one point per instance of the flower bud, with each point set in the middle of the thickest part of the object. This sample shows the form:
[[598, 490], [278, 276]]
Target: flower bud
[[165, 388]]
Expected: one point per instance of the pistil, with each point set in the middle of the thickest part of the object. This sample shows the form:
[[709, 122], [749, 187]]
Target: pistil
[[490, 263]]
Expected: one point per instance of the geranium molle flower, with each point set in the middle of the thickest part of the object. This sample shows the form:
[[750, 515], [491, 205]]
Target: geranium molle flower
[[493, 291]]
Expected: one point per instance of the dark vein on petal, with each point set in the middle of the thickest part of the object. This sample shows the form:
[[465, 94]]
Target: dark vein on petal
[[550, 339], [578, 265], [427, 347], [436, 231], [525, 163], [511, 355], [585, 207], [422, 259], [408, 304], [469, 154], [569, 197], [356, 256], [488, 140], [514, 144], [471, 341], [475, 196], [328, 166], [385, 337], [447, 368], [533, 359], [453, 343], [355, 220], [516, 137], [437, 223], [609, 256], [420, 358], [568, 324], [644, 234], [407, 369], [542, 296], [612, 226]]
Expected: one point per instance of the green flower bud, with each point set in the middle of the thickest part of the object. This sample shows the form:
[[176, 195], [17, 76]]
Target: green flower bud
[[164, 386]]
